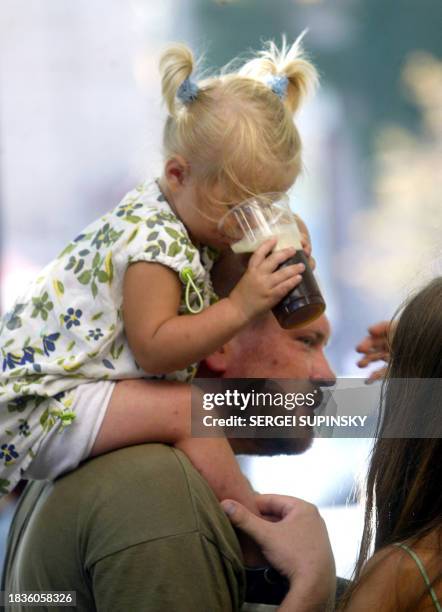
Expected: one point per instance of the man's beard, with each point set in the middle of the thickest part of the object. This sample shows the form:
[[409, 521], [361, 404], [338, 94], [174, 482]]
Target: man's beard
[[298, 443], [270, 447]]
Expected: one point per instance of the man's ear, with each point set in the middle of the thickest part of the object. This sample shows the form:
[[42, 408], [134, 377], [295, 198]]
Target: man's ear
[[217, 361], [176, 172]]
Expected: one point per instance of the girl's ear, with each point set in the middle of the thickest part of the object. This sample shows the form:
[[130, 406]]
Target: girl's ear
[[217, 361], [176, 172]]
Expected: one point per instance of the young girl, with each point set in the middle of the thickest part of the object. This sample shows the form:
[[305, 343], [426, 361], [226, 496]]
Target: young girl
[[129, 300]]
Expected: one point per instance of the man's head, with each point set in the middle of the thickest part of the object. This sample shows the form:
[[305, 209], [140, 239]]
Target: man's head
[[265, 350]]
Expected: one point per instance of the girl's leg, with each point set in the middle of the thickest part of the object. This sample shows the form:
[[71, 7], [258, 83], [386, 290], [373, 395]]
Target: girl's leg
[[157, 411], [142, 410]]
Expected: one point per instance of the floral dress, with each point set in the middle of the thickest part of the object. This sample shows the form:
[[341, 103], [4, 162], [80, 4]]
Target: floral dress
[[67, 329]]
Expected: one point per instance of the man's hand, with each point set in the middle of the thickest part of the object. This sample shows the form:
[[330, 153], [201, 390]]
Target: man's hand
[[295, 542], [376, 347], [263, 284]]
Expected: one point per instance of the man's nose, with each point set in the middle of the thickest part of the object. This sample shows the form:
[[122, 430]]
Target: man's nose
[[322, 372]]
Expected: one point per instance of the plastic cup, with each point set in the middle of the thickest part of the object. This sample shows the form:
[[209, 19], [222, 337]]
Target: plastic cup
[[260, 218]]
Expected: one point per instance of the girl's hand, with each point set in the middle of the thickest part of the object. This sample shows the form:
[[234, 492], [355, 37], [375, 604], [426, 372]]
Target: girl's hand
[[262, 285], [376, 347], [294, 540], [306, 241]]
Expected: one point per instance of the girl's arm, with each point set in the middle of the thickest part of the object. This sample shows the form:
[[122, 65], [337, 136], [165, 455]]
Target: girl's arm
[[164, 342]]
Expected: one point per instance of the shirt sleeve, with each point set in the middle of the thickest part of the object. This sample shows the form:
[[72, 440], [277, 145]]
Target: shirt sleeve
[[180, 573]]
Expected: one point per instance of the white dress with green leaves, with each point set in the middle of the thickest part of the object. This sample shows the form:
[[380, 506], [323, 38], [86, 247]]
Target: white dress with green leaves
[[67, 328]]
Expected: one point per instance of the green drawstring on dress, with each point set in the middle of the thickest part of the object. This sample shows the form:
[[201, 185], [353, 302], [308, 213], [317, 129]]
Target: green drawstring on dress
[[186, 276]]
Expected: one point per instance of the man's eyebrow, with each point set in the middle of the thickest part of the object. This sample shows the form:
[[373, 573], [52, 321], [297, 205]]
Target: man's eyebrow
[[321, 337]]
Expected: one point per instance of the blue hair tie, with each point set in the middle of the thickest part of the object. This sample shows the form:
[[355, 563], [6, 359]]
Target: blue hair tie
[[278, 84], [187, 91]]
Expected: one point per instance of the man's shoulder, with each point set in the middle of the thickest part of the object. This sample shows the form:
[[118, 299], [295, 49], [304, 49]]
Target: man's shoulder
[[139, 484], [122, 469], [119, 512], [131, 496]]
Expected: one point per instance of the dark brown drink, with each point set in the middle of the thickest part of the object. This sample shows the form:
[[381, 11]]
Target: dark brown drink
[[304, 303]]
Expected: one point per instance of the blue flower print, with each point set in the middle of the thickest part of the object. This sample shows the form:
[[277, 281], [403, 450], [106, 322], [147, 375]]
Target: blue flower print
[[95, 334], [8, 453], [28, 355], [106, 235], [127, 210], [49, 342], [11, 360], [24, 429], [72, 317], [103, 236]]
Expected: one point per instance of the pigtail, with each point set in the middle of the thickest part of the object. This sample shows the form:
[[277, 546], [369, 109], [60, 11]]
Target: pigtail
[[236, 128], [289, 62], [176, 65], [302, 75]]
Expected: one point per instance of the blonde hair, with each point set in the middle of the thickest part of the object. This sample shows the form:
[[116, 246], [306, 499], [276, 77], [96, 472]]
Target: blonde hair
[[236, 132]]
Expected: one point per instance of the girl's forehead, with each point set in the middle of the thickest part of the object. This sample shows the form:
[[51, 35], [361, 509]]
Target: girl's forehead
[[275, 180]]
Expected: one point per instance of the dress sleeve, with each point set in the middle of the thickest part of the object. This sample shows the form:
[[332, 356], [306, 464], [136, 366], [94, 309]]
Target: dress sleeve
[[163, 239]]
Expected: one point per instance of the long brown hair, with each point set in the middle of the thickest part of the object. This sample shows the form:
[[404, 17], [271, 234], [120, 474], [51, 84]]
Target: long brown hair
[[404, 483]]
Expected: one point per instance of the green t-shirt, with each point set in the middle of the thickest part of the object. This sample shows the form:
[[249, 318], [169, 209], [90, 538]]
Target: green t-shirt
[[136, 529]]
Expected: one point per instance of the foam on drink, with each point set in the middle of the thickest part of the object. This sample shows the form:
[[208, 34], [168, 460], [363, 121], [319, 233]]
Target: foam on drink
[[287, 235]]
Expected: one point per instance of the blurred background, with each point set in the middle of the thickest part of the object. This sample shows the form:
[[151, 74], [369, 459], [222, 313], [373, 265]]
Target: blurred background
[[81, 121]]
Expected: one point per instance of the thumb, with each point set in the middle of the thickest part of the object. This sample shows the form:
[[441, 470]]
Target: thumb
[[245, 520]]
